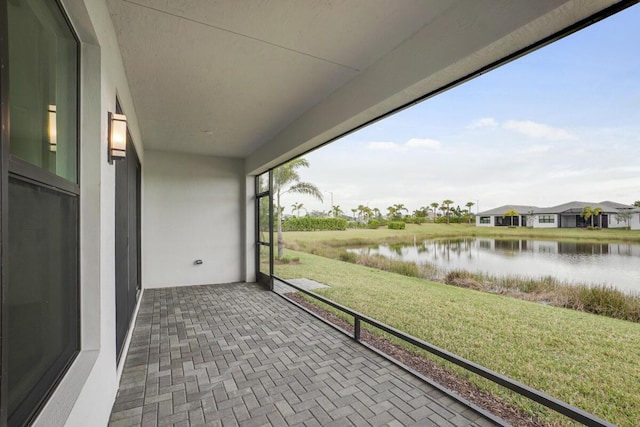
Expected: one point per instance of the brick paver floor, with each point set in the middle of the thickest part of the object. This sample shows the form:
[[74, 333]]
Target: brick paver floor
[[238, 355]]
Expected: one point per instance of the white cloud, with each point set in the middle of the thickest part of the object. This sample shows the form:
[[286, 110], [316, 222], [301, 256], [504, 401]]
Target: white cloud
[[423, 143], [485, 122], [413, 143], [538, 130], [538, 149], [384, 146]]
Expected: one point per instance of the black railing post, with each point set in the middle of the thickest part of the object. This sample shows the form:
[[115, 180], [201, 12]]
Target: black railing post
[[356, 328]]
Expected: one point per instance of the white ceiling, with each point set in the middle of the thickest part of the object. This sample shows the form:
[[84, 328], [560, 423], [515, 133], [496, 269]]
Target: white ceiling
[[265, 80], [222, 77]]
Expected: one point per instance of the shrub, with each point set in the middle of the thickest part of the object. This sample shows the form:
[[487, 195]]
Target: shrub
[[463, 279], [608, 301], [405, 268], [381, 262], [414, 220], [396, 225], [373, 224], [348, 257], [308, 223], [452, 220]]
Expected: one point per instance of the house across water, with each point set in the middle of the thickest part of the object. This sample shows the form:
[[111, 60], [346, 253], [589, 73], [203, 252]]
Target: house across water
[[605, 214]]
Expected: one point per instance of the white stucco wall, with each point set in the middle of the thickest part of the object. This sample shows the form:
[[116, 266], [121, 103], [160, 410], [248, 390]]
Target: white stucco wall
[[194, 209], [490, 224], [634, 222], [538, 224]]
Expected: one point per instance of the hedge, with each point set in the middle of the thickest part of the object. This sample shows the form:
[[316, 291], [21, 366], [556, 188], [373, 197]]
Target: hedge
[[396, 225], [414, 220], [308, 223]]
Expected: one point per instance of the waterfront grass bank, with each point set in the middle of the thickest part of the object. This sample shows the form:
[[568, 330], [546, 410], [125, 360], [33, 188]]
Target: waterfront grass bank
[[593, 298]]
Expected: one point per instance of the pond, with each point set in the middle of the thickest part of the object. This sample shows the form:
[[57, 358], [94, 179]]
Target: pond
[[614, 264]]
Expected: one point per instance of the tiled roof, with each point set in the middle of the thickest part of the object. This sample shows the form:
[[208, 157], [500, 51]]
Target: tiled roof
[[522, 210], [570, 207]]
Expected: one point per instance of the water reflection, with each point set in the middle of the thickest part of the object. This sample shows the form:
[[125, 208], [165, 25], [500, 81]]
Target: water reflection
[[616, 264]]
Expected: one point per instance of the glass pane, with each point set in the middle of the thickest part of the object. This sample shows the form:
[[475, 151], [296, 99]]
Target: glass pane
[[263, 220], [43, 76], [264, 260], [263, 182], [42, 292]]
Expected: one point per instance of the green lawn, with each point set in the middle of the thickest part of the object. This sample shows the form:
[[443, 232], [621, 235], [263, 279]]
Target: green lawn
[[590, 361], [430, 231]]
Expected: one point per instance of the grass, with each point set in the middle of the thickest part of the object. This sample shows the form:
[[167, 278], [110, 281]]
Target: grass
[[587, 360], [597, 299]]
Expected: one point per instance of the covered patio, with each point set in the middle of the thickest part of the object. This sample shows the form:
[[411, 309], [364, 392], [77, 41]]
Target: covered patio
[[129, 250], [237, 354]]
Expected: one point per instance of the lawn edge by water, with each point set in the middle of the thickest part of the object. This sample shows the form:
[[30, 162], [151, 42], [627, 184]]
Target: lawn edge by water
[[436, 231], [594, 298], [561, 352]]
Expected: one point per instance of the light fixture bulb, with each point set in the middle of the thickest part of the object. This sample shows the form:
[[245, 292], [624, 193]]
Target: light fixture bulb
[[117, 136], [53, 129]]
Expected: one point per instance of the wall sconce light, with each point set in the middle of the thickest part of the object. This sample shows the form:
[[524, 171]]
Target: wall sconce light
[[53, 129], [117, 137]]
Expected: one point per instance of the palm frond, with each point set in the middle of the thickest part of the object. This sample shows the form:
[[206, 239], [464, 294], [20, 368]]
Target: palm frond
[[306, 188]]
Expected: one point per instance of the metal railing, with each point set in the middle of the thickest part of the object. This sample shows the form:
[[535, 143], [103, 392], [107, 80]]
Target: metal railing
[[557, 405]]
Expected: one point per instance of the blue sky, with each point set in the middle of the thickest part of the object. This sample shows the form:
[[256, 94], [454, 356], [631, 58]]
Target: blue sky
[[560, 124]]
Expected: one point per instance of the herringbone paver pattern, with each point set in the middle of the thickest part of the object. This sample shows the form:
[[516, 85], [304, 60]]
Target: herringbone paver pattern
[[237, 355]]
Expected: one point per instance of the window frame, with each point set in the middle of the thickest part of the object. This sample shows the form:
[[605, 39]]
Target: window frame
[[21, 170], [261, 195], [546, 219]]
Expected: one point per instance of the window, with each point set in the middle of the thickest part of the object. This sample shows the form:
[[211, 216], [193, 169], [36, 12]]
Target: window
[[546, 219], [41, 290], [43, 76], [264, 238], [485, 220]]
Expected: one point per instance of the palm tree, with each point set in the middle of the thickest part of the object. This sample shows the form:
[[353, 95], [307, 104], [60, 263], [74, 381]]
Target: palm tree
[[391, 212], [510, 213], [287, 180], [354, 213], [447, 204], [366, 213], [435, 205], [587, 212], [296, 208], [377, 213], [336, 211], [469, 205], [395, 211], [399, 207], [597, 211]]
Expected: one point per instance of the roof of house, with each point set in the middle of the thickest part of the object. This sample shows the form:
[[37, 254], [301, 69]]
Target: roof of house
[[523, 210], [576, 207], [569, 207]]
